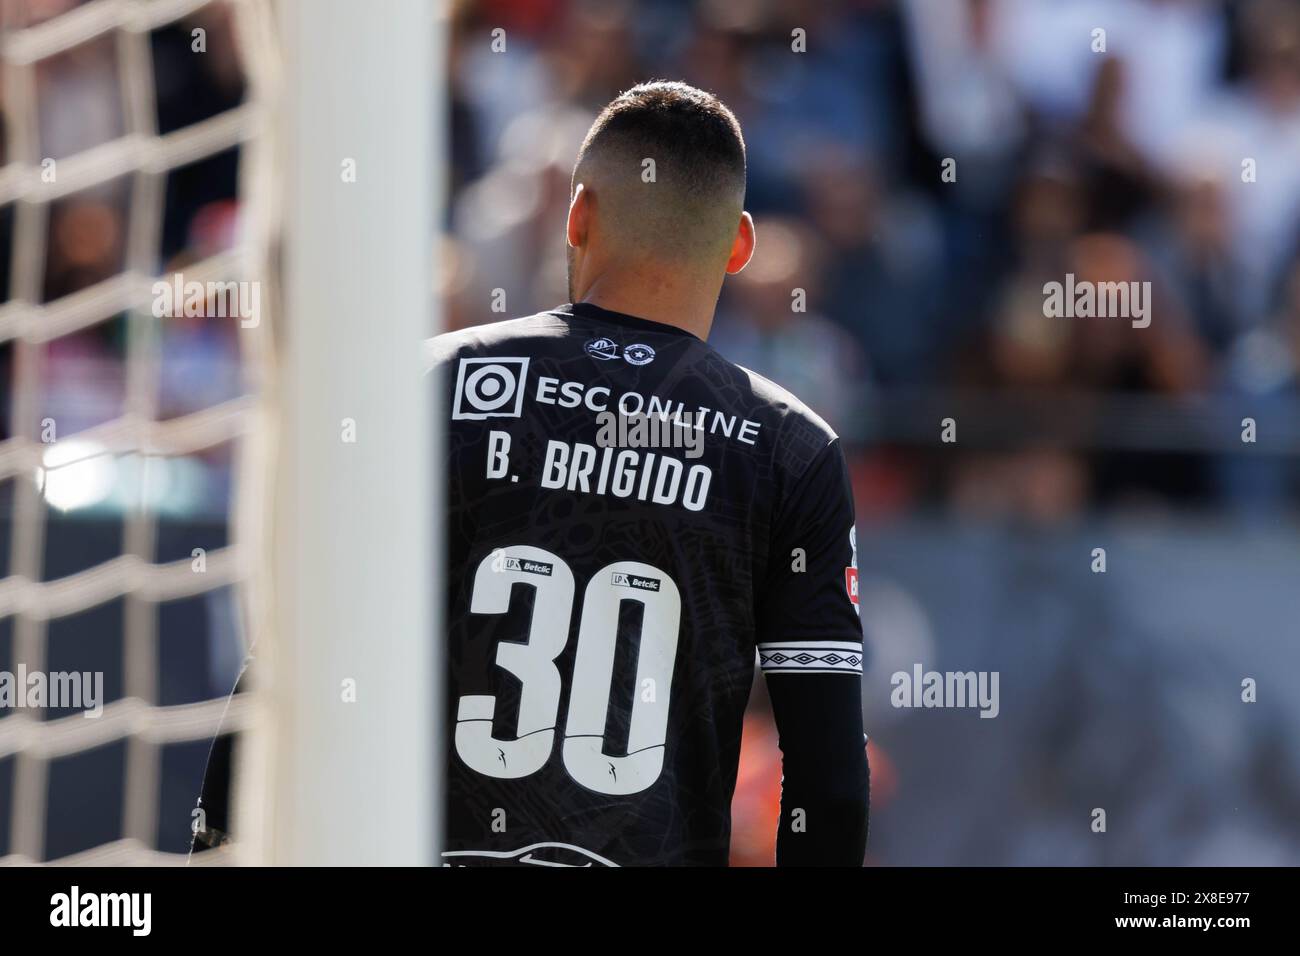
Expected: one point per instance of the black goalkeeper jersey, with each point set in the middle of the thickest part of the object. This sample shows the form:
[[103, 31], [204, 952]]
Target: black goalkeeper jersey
[[632, 521]]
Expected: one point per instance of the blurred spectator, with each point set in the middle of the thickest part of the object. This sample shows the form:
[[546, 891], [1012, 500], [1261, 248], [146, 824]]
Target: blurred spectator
[[882, 252], [1251, 135], [771, 324]]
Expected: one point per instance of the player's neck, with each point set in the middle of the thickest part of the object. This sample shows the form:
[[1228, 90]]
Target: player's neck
[[685, 308]]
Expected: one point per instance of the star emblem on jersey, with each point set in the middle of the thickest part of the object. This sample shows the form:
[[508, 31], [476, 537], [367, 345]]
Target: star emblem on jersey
[[604, 349], [639, 354]]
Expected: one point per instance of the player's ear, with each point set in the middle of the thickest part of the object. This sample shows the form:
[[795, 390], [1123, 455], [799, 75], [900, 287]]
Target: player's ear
[[742, 247], [579, 213]]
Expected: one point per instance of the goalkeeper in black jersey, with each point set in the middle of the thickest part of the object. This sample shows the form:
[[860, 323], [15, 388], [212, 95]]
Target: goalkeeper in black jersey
[[632, 521]]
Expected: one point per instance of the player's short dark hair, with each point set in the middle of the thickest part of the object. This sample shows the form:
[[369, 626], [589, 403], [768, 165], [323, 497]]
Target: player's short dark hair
[[699, 162]]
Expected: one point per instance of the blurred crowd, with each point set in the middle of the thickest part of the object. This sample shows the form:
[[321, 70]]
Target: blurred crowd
[[1116, 140]]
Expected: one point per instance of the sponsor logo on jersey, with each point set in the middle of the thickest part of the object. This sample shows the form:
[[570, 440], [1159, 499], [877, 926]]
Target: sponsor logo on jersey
[[634, 581], [639, 354], [604, 349], [851, 572], [490, 388], [532, 567], [600, 398]]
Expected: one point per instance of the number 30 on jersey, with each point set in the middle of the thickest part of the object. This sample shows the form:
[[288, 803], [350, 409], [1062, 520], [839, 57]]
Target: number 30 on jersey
[[533, 664]]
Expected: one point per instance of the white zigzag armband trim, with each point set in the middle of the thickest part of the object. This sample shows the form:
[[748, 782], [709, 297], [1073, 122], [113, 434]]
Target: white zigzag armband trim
[[811, 657]]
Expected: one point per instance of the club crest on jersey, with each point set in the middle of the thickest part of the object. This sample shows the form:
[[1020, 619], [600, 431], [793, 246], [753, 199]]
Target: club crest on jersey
[[604, 349], [851, 572], [639, 354], [490, 388]]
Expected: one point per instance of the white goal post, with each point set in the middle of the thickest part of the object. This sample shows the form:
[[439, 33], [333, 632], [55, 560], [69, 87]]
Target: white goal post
[[352, 671]]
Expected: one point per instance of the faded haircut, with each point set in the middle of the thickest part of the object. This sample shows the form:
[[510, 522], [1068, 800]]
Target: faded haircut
[[693, 205]]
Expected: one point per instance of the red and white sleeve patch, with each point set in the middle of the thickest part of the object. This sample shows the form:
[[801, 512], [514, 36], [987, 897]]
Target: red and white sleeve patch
[[851, 572]]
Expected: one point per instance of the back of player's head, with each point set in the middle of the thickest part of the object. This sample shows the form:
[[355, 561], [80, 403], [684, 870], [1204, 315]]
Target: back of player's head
[[665, 164]]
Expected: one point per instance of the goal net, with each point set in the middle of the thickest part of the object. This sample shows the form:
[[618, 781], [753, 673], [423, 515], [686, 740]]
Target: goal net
[[62, 465], [155, 392]]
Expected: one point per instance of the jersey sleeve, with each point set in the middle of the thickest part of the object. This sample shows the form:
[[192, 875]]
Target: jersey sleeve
[[808, 608], [810, 649]]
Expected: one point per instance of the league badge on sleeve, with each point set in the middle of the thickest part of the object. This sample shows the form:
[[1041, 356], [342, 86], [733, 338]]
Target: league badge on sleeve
[[851, 572]]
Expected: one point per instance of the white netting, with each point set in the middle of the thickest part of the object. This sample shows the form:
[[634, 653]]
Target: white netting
[[243, 424]]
